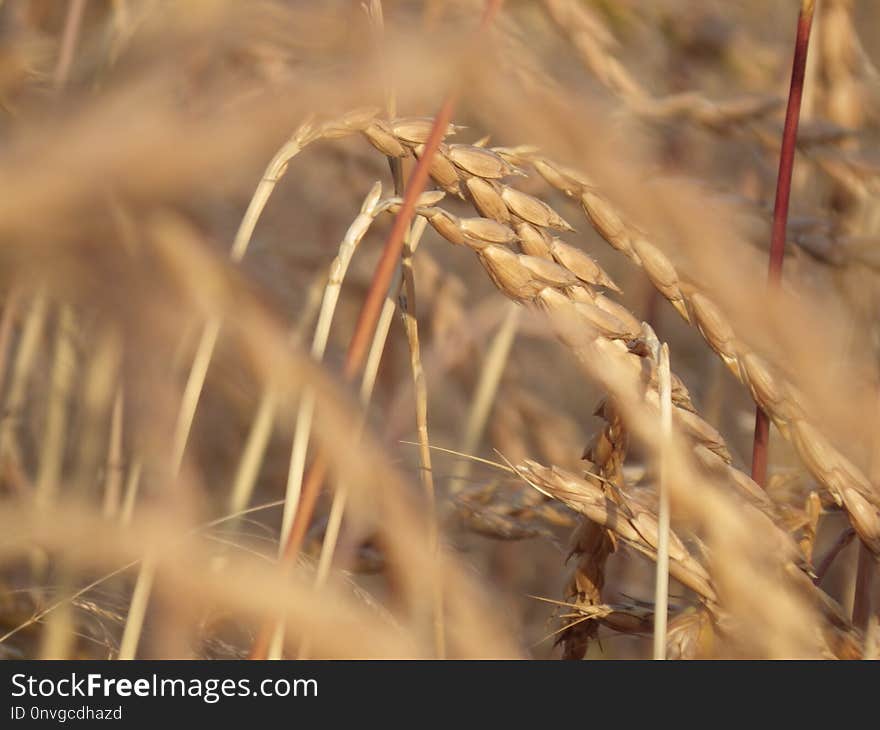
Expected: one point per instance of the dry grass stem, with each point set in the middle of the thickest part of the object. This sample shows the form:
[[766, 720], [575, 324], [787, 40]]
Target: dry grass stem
[[661, 593]]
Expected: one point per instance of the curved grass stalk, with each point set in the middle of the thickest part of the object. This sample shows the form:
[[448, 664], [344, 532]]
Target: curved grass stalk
[[338, 269], [21, 370], [304, 135], [52, 444]]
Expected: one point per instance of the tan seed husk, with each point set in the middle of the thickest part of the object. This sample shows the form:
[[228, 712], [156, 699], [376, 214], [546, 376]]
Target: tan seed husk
[[442, 171], [714, 327], [416, 130], [606, 323], [658, 267], [632, 325], [356, 120], [532, 210], [383, 139], [533, 241], [487, 231], [562, 178], [508, 274], [547, 272], [581, 265], [446, 224], [480, 162], [605, 220], [487, 200]]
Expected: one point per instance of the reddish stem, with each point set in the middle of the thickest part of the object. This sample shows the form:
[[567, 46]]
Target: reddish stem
[[844, 539], [864, 578], [780, 209]]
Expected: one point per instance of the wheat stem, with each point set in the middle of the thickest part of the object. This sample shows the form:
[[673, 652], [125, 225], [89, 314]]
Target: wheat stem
[[408, 312], [661, 589], [113, 466], [72, 24]]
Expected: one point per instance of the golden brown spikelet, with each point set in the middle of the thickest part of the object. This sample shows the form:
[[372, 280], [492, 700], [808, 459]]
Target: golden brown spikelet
[[607, 324], [547, 272], [632, 325], [442, 171], [480, 162], [415, 130], [713, 326], [605, 219], [658, 267], [533, 241], [482, 231], [581, 265], [446, 224], [487, 200], [383, 139], [560, 177], [532, 210], [508, 274]]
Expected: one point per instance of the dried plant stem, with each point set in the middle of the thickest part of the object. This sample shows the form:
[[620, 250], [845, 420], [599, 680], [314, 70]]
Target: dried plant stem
[[264, 418], [865, 568], [383, 326], [872, 639], [137, 609], [484, 395], [661, 590], [192, 392], [254, 450], [7, 321], [340, 495], [53, 442], [844, 539], [72, 24], [274, 172], [369, 209], [306, 412], [780, 209], [113, 466], [132, 484], [411, 325], [28, 347]]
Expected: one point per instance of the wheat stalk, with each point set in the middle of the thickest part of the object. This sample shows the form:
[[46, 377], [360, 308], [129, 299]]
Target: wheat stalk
[[661, 590]]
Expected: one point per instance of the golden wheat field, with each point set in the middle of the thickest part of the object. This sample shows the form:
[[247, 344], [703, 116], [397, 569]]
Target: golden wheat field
[[398, 329]]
